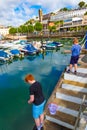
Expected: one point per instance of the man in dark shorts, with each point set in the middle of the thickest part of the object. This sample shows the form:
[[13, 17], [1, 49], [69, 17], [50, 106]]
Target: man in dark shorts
[[75, 50], [38, 100]]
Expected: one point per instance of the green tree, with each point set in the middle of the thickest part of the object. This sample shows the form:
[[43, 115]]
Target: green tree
[[85, 28], [31, 21], [52, 28], [52, 13], [85, 13], [19, 30], [38, 26], [23, 29], [28, 22], [85, 5], [61, 22], [79, 28], [30, 28], [12, 30], [58, 24], [81, 4], [71, 29], [74, 29], [64, 9]]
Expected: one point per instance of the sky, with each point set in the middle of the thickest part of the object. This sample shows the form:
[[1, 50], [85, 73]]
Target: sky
[[17, 12]]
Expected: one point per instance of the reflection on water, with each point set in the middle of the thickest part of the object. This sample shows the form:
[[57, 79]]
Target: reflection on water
[[15, 112], [31, 58]]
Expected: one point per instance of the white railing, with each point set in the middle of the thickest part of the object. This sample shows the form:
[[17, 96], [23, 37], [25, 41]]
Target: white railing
[[82, 43], [82, 40], [79, 114]]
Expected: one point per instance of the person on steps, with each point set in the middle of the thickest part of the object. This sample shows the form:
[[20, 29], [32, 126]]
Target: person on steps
[[75, 52]]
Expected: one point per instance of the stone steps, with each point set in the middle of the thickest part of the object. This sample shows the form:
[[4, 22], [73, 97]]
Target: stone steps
[[75, 78], [74, 88], [70, 82], [67, 104], [80, 77], [62, 115], [69, 97], [64, 111], [60, 122], [80, 70], [48, 125], [67, 91]]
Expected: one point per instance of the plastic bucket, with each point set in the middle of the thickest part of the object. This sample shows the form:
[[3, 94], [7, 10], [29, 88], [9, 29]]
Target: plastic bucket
[[52, 108]]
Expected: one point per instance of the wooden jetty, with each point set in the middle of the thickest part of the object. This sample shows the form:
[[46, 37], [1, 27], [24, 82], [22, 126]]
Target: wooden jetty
[[68, 95]]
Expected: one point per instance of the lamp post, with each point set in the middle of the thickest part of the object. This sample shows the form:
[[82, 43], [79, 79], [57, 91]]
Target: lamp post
[[27, 31], [17, 33], [41, 38]]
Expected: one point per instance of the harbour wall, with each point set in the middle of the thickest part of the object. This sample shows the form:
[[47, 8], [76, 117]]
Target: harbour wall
[[54, 35]]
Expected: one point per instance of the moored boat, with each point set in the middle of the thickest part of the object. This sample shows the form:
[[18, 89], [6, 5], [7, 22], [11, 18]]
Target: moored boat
[[16, 53], [30, 49], [52, 45], [58, 44], [49, 46], [4, 56]]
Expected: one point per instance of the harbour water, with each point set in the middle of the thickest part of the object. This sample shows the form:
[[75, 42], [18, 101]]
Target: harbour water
[[15, 112]]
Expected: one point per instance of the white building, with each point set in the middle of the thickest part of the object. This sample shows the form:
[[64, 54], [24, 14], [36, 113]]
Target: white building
[[62, 15], [4, 31]]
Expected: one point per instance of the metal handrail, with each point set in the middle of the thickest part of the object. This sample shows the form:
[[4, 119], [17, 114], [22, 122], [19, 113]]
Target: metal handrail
[[82, 39], [80, 110], [83, 44]]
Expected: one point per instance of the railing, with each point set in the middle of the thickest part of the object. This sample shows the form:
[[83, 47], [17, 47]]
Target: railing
[[79, 114], [84, 42], [48, 35], [59, 34]]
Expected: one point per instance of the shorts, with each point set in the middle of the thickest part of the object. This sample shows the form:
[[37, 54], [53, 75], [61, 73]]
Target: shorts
[[74, 60], [38, 110]]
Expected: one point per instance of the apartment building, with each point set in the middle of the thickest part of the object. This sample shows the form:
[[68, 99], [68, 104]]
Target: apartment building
[[4, 30], [84, 19], [73, 18], [63, 15]]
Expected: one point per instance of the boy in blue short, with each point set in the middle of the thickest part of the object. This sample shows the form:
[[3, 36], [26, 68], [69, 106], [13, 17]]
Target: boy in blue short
[[75, 52], [37, 99]]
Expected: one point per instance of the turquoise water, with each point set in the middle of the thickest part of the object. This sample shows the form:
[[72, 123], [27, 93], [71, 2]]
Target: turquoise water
[[15, 112]]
